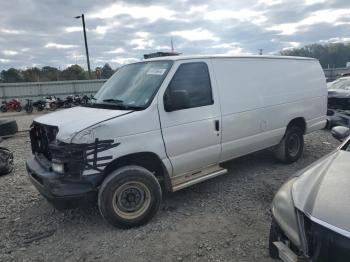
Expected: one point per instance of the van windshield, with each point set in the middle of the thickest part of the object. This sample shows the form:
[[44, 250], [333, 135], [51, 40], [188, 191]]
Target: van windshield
[[133, 86]]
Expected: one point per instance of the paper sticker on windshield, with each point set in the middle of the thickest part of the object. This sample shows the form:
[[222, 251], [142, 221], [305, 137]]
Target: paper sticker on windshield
[[156, 71]]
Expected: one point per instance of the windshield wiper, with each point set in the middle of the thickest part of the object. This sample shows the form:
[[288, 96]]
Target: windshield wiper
[[119, 103], [112, 100]]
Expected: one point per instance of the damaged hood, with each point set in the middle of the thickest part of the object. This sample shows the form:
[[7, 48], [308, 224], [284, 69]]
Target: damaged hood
[[73, 120], [323, 190]]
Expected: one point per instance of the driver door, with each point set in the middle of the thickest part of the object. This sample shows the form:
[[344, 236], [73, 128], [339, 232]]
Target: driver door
[[192, 129]]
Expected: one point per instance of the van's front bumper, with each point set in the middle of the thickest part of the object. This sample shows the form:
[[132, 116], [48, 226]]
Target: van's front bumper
[[63, 191]]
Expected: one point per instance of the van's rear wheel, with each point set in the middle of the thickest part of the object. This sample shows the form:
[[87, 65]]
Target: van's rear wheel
[[291, 146], [129, 197]]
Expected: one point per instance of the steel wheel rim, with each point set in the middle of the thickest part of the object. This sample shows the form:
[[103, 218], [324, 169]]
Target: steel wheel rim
[[293, 145], [131, 200]]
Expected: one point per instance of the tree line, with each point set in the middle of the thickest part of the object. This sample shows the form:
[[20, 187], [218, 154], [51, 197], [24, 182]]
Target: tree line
[[329, 55], [48, 73]]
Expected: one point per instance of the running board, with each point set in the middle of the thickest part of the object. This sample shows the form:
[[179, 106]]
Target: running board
[[285, 253], [182, 181]]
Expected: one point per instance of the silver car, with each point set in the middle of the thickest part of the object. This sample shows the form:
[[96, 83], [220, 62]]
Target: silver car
[[311, 211]]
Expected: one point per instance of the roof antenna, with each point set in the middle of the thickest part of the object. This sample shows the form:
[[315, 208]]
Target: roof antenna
[[172, 45]]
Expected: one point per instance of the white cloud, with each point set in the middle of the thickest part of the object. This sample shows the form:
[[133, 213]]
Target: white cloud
[[142, 34], [225, 45], [291, 45], [101, 29], [331, 16], [244, 15], [230, 49], [270, 2], [3, 60], [59, 46], [9, 52], [141, 43], [312, 2], [10, 31], [336, 40], [152, 12], [197, 9], [196, 35], [236, 51], [162, 47], [125, 60], [73, 29], [118, 50]]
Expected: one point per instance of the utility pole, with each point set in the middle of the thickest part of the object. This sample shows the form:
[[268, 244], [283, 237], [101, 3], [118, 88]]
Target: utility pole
[[86, 45], [172, 45]]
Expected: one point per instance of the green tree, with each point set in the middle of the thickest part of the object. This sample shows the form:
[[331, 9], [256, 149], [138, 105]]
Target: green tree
[[11, 75], [107, 71], [74, 72], [31, 74], [49, 73], [335, 54]]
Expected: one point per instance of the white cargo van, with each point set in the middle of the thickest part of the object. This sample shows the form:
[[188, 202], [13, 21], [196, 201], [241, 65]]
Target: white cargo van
[[168, 123]]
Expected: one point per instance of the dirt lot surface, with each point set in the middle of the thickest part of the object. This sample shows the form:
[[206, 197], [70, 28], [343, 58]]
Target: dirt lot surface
[[223, 219]]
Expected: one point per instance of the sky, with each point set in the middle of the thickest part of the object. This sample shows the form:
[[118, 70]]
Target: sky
[[45, 32]]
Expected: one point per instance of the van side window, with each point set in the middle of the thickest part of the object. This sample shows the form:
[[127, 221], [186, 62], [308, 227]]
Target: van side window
[[193, 80]]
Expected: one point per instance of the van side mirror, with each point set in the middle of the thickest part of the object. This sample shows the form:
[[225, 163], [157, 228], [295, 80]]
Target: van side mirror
[[176, 100], [340, 132]]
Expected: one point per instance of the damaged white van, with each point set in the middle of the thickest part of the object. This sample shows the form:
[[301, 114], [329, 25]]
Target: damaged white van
[[168, 123]]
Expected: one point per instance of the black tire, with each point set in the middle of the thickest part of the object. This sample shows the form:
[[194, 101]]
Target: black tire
[[40, 108], [275, 235], [291, 146], [29, 109], [19, 108], [129, 197], [3, 109], [6, 161], [8, 127]]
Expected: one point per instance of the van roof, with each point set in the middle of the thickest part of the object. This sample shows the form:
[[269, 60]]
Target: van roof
[[182, 57]]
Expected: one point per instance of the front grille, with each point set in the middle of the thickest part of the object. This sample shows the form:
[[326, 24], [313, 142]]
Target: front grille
[[325, 244], [41, 136]]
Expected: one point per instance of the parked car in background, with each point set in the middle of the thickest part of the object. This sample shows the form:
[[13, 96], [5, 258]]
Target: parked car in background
[[172, 121], [339, 93], [311, 210]]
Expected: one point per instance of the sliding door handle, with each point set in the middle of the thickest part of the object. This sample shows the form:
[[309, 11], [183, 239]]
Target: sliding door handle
[[217, 125]]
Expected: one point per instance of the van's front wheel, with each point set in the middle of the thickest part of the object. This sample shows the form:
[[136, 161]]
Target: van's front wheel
[[291, 146], [129, 197]]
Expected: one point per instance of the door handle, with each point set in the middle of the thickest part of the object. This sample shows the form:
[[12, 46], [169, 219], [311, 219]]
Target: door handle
[[217, 125]]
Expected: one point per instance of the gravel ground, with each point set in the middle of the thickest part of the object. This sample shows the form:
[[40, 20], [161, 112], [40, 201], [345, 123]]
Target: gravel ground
[[223, 219]]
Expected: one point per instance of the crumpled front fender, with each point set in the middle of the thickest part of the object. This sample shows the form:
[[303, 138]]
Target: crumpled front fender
[[284, 212]]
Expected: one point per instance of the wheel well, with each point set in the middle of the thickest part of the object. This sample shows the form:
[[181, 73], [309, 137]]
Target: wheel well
[[147, 160], [300, 122]]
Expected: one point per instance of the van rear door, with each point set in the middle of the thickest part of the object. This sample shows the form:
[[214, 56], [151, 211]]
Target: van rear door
[[190, 117]]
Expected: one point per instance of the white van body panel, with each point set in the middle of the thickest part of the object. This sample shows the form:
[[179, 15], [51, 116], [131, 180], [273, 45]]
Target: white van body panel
[[260, 96], [254, 100]]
